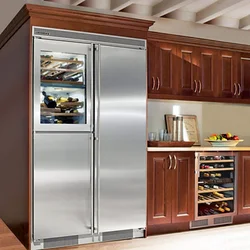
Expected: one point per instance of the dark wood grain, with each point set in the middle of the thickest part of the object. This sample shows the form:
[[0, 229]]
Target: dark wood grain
[[227, 74], [152, 65], [183, 188], [207, 72], [244, 183], [244, 76], [14, 133], [159, 189], [197, 42], [186, 68]]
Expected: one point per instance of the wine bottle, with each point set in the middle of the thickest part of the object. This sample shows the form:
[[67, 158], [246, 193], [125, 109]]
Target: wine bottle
[[49, 100]]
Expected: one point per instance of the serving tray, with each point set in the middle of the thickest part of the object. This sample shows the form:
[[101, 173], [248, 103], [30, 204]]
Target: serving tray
[[170, 143]]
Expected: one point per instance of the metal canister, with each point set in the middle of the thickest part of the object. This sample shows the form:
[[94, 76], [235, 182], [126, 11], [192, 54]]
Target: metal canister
[[179, 122], [174, 129]]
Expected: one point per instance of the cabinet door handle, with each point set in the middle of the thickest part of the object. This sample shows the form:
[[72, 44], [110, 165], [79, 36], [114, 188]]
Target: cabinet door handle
[[158, 83], [153, 79], [235, 88], [239, 89], [170, 161], [200, 86], [175, 162], [196, 86]]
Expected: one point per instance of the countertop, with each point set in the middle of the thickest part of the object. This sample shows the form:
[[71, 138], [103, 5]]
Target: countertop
[[196, 149], [8, 240]]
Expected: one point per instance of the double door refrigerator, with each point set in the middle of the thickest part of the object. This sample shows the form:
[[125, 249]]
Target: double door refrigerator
[[89, 138]]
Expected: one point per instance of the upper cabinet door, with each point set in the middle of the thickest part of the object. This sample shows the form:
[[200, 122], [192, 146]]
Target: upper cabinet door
[[207, 72], [183, 187], [186, 70], [152, 64], [166, 77], [227, 72], [244, 76]]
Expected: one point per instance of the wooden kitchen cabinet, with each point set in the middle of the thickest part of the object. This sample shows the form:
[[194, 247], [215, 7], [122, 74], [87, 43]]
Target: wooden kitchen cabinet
[[243, 82], [170, 187], [161, 61], [244, 183], [228, 74]]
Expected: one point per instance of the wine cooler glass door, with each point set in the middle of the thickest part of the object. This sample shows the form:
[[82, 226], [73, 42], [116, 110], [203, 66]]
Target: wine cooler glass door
[[62, 86]]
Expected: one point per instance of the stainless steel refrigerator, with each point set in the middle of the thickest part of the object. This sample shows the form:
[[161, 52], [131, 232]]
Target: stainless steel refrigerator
[[89, 138]]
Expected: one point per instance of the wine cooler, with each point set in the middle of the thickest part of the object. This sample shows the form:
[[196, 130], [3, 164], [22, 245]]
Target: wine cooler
[[215, 193]]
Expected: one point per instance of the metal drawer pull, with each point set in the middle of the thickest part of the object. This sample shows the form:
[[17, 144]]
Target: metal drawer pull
[[200, 86], [170, 161], [175, 162], [239, 89], [153, 83], [196, 86], [158, 83], [235, 88]]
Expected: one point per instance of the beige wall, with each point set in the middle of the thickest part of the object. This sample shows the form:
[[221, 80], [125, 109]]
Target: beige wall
[[211, 117]]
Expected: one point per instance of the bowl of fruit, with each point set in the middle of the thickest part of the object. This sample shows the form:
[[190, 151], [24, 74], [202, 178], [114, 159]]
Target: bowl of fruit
[[223, 140]]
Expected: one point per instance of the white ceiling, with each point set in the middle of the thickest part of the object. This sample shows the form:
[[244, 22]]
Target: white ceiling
[[227, 13]]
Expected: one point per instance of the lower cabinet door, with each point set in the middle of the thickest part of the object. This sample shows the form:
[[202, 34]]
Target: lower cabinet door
[[183, 187], [159, 189], [244, 183]]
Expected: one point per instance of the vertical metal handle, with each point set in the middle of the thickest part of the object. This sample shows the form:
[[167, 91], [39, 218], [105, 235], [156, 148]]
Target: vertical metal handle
[[200, 85], [153, 79], [158, 83], [170, 161], [239, 89], [196, 86], [235, 88], [96, 217], [175, 162]]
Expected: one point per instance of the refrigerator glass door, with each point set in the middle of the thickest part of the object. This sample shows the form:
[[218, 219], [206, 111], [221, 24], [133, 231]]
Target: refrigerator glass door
[[121, 129], [62, 185], [62, 92]]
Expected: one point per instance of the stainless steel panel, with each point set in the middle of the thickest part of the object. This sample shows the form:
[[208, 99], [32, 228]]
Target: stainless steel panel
[[62, 185], [69, 35], [122, 139], [64, 47]]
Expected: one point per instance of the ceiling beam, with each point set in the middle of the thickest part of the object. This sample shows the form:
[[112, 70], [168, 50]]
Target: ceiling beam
[[167, 6], [139, 9], [76, 2], [225, 21], [217, 9], [118, 5], [245, 23]]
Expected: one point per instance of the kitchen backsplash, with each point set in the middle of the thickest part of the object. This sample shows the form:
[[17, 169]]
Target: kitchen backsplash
[[211, 117]]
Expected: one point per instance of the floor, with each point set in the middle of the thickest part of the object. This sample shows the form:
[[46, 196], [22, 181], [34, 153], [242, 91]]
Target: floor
[[235, 237]]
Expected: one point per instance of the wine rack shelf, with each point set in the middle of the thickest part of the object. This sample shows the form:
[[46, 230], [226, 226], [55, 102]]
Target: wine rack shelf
[[215, 169], [216, 161], [63, 70], [44, 113], [62, 82], [214, 190], [215, 200], [48, 59]]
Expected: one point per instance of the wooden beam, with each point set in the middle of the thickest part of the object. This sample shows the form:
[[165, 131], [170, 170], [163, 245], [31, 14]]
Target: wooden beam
[[118, 5], [245, 23], [167, 6], [217, 9], [76, 2]]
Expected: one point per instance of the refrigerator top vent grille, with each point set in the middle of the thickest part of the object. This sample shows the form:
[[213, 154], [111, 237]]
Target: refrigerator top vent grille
[[83, 36]]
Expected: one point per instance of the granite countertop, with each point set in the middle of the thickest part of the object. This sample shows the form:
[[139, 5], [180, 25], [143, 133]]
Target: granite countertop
[[197, 149]]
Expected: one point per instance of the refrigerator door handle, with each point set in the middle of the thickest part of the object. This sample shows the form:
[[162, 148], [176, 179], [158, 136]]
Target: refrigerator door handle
[[97, 142]]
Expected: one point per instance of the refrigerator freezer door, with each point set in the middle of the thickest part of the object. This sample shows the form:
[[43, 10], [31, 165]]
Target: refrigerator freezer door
[[62, 86], [61, 194], [122, 138]]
